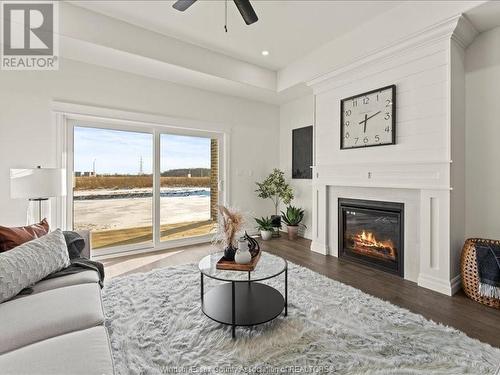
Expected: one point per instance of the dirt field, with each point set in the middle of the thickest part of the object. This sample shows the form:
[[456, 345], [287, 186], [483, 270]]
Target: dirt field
[[133, 182], [104, 214]]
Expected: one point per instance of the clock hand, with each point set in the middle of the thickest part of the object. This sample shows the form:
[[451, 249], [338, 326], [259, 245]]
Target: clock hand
[[366, 120], [375, 114]]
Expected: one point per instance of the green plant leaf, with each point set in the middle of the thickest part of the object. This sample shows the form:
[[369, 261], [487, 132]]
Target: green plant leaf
[[275, 187], [293, 216], [264, 223]]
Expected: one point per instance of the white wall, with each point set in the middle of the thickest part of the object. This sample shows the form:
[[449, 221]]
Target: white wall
[[28, 132], [482, 65], [296, 114]]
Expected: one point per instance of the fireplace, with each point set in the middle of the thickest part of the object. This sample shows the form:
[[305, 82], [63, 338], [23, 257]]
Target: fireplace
[[371, 232]]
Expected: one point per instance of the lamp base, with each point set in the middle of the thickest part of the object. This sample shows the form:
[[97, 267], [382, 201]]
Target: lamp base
[[35, 210]]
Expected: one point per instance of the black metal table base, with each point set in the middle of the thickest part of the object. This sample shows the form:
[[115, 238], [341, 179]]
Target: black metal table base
[[243, 303]]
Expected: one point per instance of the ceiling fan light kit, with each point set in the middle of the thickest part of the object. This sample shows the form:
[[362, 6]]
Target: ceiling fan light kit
[[244, 7]]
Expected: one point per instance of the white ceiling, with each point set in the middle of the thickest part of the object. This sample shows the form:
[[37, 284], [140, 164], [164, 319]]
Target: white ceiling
[[486, 16], [287, 29]]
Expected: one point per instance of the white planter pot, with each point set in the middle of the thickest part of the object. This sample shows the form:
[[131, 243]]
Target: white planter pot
[[266, 235], [293, 232]]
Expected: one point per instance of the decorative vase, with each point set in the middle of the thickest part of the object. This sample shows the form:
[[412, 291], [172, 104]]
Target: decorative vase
[[242, 255], [229, 253], [253, 245], [292, 232], [266, 234]]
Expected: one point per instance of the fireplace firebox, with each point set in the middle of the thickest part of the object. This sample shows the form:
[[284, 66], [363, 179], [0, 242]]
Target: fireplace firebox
[[371, 232]]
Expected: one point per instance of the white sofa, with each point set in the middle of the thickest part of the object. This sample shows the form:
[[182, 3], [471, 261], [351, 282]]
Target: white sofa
[[58, 329]]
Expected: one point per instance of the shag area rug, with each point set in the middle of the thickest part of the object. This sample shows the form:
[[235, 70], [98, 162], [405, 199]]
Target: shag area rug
[[156, 326]]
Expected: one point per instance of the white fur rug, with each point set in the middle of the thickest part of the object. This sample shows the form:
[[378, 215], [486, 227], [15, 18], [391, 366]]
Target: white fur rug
[[156, 327]]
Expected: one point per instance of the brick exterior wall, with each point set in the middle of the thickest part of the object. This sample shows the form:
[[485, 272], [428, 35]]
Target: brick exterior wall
[[214, 178]]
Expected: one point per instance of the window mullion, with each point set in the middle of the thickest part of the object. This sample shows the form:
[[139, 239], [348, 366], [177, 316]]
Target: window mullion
[[156, 188]]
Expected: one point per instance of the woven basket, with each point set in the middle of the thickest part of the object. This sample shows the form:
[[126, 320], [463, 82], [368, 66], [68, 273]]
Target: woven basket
[[470, 277]]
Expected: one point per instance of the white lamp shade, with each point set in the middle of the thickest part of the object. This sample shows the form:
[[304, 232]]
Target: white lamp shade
[[37, 183]]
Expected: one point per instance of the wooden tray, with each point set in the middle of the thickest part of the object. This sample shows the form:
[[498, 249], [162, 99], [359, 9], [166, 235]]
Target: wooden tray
[[223, 264]]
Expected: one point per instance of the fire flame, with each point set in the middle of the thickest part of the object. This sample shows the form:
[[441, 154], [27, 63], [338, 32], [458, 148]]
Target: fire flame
[[369, 239]]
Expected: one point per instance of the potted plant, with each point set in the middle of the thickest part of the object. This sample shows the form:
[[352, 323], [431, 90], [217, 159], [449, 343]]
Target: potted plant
[[265, 225], [274, 187], [292, 219]]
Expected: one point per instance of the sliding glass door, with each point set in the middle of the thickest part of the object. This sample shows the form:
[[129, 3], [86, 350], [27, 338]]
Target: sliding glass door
[[189, 186], [141, 189]]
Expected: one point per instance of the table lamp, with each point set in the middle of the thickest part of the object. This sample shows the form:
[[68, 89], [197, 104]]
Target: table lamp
[[37, 185]]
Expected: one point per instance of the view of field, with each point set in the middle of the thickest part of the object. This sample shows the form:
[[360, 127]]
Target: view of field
[[118, 209]]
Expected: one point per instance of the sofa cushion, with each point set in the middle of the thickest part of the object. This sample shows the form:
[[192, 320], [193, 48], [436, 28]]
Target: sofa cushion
[[84, 277], [11, 237], [84, 352], [44, 315], [31, 262]]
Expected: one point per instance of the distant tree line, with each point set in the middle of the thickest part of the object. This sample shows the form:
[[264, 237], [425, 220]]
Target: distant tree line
[[184, 172]]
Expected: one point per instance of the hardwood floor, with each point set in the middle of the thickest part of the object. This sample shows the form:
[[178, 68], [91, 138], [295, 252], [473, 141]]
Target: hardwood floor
[[477, 321]]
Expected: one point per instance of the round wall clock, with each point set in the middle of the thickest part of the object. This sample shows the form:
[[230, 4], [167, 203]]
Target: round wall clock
[[368, 119]]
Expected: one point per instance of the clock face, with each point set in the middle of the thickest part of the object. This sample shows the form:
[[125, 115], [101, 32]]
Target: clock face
[[369, 119]]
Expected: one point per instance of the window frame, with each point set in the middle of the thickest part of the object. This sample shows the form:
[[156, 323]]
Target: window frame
[[67, 116]]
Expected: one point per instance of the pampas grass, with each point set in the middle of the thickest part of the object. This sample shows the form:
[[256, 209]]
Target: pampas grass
[[231, 221]]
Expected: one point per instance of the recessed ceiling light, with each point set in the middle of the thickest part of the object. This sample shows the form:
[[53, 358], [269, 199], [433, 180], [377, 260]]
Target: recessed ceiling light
[[265, 53]]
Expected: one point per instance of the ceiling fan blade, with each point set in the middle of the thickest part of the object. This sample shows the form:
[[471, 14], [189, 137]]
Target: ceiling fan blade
[[182, 5], [246, 11]]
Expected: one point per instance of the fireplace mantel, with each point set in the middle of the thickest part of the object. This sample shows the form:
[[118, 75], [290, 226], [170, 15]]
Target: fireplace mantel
[[398, 175]]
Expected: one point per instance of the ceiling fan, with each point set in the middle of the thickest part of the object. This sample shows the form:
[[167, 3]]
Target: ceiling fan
[[244, 6]]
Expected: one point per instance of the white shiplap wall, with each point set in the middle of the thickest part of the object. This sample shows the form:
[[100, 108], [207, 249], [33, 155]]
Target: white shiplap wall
[[421, 96]]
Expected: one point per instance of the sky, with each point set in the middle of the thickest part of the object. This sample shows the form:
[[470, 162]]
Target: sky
[[120, 151]]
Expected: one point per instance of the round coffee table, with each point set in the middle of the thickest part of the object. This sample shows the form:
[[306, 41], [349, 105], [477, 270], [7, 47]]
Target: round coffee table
[[242, 300]]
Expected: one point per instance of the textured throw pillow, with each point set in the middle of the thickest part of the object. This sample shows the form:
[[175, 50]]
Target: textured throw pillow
[[31, 262], [15, 236]]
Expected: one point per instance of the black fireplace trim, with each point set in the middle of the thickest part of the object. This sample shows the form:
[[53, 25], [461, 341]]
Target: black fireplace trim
[[395, 207]]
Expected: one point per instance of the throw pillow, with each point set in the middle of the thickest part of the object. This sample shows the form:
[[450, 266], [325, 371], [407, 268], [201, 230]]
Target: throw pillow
[[31, 262], [15, 236]]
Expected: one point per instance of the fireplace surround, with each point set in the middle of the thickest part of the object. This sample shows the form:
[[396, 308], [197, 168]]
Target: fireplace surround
[[372, 232]]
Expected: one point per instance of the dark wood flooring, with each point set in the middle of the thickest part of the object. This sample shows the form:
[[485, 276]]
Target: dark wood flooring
[[477, 321]]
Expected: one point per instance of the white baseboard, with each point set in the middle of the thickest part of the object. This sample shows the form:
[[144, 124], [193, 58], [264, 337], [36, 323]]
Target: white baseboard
[[319, 248], [456, 284], [448, 287]]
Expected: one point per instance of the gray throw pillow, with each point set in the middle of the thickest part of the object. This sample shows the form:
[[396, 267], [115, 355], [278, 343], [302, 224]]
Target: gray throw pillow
[[30, 262]]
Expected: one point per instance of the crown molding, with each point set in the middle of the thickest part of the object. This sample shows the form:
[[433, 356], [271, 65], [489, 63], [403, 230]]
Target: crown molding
[[457, 28], [464, 32]]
